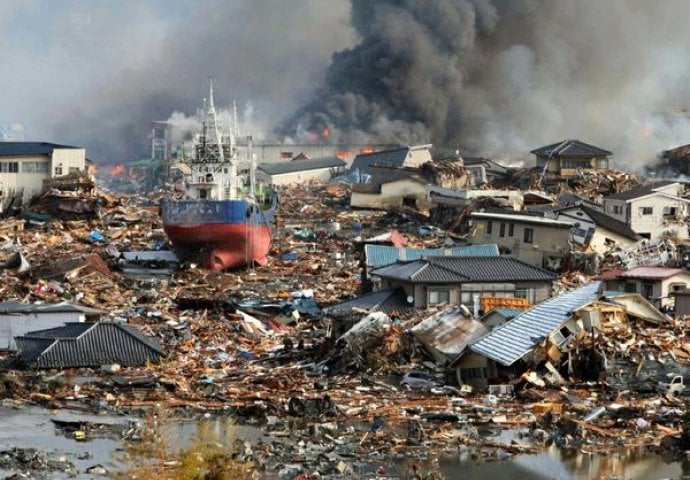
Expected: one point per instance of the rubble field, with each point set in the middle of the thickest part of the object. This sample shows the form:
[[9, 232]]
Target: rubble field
[[256, 344]]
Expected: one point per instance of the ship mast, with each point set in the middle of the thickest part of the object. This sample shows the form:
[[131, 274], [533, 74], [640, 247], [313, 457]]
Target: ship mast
[[215, 143]]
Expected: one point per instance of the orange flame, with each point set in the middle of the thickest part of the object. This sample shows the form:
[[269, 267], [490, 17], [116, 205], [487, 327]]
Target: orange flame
[[117, 170], [325, 133], [368, 149], [344, 154]]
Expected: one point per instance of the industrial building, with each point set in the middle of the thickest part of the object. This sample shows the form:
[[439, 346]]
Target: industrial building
[[299, 171], [24, 166]]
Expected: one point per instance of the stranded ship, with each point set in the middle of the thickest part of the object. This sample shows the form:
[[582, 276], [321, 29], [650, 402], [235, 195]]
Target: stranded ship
[[222, 220]]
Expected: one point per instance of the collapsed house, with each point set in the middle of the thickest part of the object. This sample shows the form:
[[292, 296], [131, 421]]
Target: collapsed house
[[548, 323], [652, 210], [87, 345], [539, 241], [17, 319]]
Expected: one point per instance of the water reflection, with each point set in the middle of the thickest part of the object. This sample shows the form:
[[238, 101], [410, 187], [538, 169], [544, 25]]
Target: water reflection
[[561, 464]]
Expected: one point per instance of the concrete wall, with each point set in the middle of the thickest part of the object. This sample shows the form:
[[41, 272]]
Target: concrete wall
[[416, 157], [17, 325], [546, 241], [392, 195], [657, 222], [33, 169], [478, 379], [318, 174]]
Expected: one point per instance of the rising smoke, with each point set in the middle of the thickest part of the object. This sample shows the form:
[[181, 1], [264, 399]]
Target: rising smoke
[[490, 77], [499, 78]]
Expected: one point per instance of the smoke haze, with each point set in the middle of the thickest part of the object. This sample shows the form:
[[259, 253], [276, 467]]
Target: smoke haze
[[491, 77]]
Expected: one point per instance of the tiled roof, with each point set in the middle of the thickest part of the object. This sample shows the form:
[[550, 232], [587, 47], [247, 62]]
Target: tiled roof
[[640, 191], [87, 345], [610, 223], [30, 148], [512, 340], [381, 255], [301, 165], [465, 270], [655, 273], [570, 148], [62, 307], [382, 300]]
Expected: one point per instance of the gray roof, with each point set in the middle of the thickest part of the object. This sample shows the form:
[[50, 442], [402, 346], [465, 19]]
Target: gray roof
[[570, 148], [30, 148], [385, 300], [640, 191], [465, 270], [514, 339], [389, 158], [610, 223], [301, 165], [521, 217], [62, 307], [87, 345]]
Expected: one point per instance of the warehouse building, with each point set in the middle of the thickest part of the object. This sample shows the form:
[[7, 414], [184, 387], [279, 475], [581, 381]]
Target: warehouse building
[[299, 171], [24, 166]]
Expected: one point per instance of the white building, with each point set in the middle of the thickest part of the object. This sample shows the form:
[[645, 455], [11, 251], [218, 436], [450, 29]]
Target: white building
[[17, 319], [651, 210], [299, 171], [24, 166]]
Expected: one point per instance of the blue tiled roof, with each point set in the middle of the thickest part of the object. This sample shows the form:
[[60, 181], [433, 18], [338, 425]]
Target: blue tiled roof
[[382, 255], [301, 165], [446, 270], [512, 340]]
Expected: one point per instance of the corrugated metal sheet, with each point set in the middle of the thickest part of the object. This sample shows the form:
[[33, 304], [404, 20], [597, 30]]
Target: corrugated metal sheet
[[511, 341], [651, 272], [449, 332], [382, 255]]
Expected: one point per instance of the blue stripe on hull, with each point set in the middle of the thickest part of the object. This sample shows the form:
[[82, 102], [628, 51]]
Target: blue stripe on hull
[[199, 212]]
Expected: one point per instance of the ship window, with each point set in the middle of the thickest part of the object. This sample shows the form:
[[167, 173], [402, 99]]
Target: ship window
[[202, 193], [225, 170], [209, 177]]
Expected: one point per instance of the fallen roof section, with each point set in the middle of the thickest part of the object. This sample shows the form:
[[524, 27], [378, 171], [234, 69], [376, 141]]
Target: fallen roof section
[[510, 342], [87, 345]]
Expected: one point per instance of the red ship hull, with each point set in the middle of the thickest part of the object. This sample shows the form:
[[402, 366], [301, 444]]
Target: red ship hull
[[220, 246]]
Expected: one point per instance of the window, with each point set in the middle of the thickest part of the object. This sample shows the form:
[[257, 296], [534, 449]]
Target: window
[[9, 167], [581, 232], [615, 209], [646, 210], [438, 296], [670, 211], [510, 229], [58, 169], [474, 373], [528, 236], [502, 230], [489, 226], [285, 154], [647, 290], [630, 287], [35, 167], [202, 193]]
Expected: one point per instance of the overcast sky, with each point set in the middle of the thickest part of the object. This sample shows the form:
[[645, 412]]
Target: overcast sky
[[491, 77]]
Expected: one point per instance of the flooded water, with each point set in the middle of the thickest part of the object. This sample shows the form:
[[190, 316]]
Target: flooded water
[[557, 464], [33, 428]]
